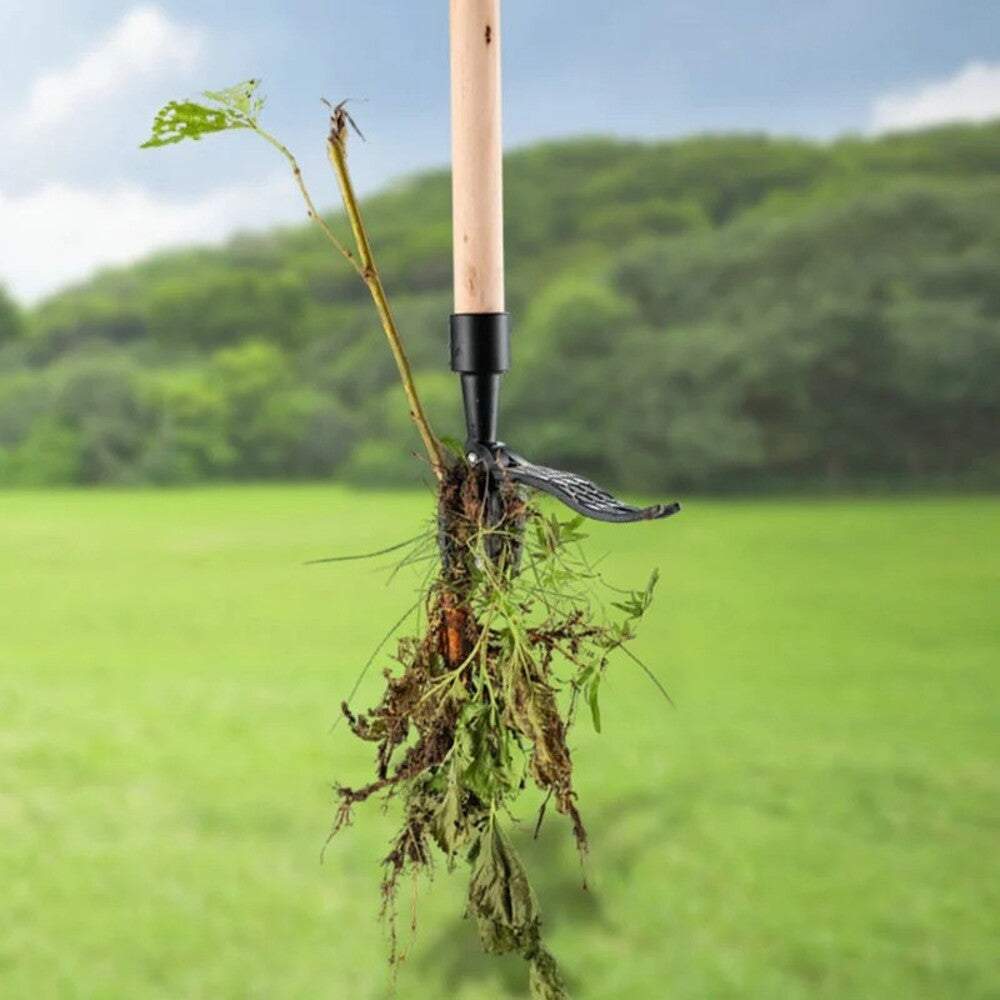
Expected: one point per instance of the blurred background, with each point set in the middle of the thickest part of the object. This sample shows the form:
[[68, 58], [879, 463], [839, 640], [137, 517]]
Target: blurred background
[[753, 259]]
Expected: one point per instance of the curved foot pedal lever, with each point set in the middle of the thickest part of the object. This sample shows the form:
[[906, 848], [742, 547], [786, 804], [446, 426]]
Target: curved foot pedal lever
[[578, 493]]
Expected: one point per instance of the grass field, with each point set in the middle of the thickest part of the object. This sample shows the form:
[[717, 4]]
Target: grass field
[[818, 817]]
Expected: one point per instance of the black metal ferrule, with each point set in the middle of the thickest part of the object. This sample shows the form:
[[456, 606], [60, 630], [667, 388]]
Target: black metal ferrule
[[480, 353]]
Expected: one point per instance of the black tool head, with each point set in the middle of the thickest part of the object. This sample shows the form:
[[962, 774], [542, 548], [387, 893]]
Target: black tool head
[[579, 494]]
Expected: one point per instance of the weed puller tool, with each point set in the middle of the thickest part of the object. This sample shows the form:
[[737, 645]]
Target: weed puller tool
[[480, 326], [483, 695]]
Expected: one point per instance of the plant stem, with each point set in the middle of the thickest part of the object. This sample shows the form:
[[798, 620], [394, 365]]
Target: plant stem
[[313, 214], [337, 153]]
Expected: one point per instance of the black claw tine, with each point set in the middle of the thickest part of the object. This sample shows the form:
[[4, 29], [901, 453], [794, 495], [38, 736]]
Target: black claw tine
[[578, 493]]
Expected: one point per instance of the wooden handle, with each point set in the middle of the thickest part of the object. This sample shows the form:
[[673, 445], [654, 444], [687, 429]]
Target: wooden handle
[[476, 156]]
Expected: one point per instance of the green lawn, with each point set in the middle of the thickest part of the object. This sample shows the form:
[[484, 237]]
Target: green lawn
[[817, 818]]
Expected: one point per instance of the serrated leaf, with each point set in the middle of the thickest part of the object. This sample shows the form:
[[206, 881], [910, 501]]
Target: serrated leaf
[[506, 910], [501, 898], [233, 108], [242, 99], [544, 980], [447, 824], [487, 760]]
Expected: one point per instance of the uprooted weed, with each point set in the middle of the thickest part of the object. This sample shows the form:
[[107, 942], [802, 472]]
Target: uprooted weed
[[472, 712]]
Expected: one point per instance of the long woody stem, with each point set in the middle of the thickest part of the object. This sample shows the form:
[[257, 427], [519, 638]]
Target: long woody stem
[[365, 267], [337, 153], [306, 197]]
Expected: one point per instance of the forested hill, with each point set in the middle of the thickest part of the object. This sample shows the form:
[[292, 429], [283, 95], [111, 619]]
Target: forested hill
[[712, 313]]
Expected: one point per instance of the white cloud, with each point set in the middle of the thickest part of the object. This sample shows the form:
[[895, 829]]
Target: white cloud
[[65, 233], [970, 95], [144, 45]]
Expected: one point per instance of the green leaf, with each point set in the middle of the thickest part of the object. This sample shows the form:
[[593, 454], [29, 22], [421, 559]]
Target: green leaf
[[242, 99], [571, 530], [506, 910], [654, 579], [489, 766], [544, 980], [453, 445], [638, 601], [500, 896], [595, 707], [231, 108], [448, 828]]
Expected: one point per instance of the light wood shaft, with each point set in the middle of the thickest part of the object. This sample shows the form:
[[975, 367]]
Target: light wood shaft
[[476, 156]]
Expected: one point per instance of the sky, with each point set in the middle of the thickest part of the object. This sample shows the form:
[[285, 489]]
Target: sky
[[80, 81]]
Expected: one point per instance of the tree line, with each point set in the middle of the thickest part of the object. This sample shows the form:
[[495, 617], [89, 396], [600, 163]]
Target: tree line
[[723, 313]]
